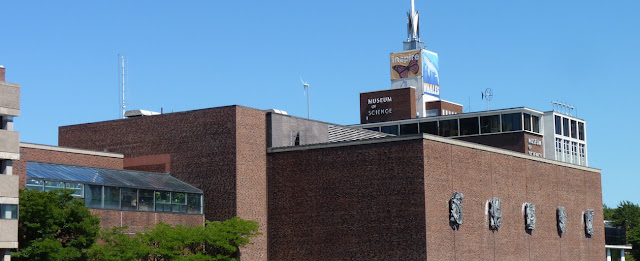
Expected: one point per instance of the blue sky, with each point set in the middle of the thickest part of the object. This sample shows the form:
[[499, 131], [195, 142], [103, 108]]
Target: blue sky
[[197, 54]]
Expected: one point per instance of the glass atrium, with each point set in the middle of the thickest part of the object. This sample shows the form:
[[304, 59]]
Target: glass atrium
[[117, 189]]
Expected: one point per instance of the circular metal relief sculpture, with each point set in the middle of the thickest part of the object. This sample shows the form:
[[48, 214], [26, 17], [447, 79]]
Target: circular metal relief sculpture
[[455, 210], [495, 214], [588, 222], [530, 216], [561, 215]]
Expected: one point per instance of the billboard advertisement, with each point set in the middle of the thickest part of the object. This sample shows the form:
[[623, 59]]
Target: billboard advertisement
[[430, 78], [406, 65]]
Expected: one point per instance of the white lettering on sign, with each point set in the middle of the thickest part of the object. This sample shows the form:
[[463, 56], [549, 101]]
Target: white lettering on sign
[[404, 59], [379, 112], [535, 154], [379, 100], [431, 89], [535, 141]]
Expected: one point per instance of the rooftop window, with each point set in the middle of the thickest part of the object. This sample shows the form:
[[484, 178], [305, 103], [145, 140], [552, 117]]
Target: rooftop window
[[490, 124], [511, 122]]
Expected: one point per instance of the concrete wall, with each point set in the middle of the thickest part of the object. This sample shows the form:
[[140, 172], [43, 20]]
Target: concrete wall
[[8, 233], [9, 141], [282, 129], [9, 186], [9, 99]]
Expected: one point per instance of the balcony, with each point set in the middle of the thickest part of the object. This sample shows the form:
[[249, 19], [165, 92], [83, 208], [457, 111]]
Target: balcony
[[9, 141], [9, 99]]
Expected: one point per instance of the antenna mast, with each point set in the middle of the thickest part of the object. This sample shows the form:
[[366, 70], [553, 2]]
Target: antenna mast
[[123, 105], [306, 88]]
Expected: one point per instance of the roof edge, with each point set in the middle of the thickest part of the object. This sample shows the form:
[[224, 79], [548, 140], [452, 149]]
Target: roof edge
[[71, 150], [431, 138]]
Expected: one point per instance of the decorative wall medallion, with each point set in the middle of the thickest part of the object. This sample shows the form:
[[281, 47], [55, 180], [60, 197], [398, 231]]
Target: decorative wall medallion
[[588, 221], [561, 215]]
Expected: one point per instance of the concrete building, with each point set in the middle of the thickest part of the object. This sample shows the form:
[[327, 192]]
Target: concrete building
[[9, 151]]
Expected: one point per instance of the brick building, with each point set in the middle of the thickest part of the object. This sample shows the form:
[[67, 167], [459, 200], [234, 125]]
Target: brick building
[[360, 196]]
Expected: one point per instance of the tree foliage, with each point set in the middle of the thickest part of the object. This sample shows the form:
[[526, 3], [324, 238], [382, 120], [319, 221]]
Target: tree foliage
[[214, 241], [54, 226], [627, 215]]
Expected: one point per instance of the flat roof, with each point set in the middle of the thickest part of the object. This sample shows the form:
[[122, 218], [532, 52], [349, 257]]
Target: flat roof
[[108, 177], [432, 138], [71, 150]]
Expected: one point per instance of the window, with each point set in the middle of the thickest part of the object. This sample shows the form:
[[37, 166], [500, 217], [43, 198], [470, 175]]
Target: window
[[559, 149], [194, 203], [469, 126], [129, 199], [163, 201], [581, 130], [408, 129], [535, 122], [3, 123], [373, 129], [567, 151], [146, 200], [93, 196], [8, 211], [35, 184], [449, 128], [111, 197], [558, 125], [490, 124], [430, 127], [583, 155], [511, 122], [574, 132], [565, 127], [574, 152], [527, 121], [51, 185], [77, 188], [178, 202], [3, 167], [392, 129]]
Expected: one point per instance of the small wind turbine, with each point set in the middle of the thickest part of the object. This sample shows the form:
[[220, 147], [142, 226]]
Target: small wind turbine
[[305, 85]]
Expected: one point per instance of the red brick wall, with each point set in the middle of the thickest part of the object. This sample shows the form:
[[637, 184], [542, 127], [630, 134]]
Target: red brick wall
[[513, 141], [138, 220], [402, 105], [481, 175], [219, 150], [389, 201], [31, 154], [347, 203]]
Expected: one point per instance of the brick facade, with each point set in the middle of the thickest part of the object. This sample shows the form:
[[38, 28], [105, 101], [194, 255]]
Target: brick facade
[[388, 105], [218, 150], [137, 221], [362, 203]]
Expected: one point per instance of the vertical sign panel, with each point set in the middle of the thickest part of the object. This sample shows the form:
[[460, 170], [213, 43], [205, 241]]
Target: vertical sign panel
[[431, 78], [406, 65]]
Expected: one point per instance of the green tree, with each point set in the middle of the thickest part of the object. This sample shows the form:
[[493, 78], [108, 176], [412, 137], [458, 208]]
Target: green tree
[[626, 215], [54, 226], [608, 212], [217, 241]]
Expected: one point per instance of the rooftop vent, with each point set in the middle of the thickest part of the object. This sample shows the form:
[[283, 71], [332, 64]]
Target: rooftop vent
[[139, 113]]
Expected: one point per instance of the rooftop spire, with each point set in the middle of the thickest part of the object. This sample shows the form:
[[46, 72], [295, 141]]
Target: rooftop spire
[[413, 30], [413, 27]]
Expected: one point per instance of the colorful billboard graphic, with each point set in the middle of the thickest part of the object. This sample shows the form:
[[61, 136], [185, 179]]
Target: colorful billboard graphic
[[431, 78], [405, 65]]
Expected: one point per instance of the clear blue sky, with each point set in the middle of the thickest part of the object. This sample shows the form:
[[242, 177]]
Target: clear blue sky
[[187, 55]]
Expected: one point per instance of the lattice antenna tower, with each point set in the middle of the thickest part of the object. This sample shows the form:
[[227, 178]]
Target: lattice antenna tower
[[123, 79]]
